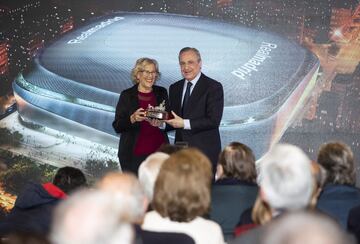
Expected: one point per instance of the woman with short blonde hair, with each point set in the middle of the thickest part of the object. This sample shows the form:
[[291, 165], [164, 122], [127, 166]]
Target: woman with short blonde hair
[[140, 136]]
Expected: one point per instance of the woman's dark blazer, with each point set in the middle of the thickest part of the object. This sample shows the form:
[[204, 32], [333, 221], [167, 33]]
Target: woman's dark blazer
[[128, 103]]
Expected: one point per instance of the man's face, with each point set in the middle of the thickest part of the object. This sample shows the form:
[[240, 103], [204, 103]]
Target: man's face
[[190, 65]]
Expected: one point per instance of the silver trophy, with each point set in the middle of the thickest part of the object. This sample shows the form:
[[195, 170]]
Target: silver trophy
[[157, 112]]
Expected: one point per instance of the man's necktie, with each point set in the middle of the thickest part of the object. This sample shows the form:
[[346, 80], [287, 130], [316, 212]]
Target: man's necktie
[[186, 97]]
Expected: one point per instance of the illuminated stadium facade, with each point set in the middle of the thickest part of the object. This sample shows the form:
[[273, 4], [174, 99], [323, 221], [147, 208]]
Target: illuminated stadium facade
[[75, 83]]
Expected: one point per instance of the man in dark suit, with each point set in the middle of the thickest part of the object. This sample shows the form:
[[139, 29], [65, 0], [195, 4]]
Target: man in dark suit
[[197, 104]]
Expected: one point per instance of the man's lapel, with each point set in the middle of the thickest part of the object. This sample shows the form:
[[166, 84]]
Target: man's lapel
[[178, 98], [195, 94]]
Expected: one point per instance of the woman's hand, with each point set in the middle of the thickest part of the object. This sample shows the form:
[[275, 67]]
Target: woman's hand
[[138, 116]]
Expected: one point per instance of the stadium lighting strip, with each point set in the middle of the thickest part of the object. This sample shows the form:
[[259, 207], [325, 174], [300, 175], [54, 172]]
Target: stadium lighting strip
[[54, 95]]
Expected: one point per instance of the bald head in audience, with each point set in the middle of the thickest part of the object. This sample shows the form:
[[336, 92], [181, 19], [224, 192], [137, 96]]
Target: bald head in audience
[[91, 217], [129, 187]]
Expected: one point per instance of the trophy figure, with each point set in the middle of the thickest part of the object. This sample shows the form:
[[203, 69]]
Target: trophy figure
[[157, 112]]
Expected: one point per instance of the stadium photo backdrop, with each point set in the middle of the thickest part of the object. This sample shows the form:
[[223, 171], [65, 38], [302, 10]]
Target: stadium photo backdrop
[[290, 73]]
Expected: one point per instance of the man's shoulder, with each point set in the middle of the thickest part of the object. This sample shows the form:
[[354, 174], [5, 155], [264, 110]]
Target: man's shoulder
[[178, 83], [209, 80]]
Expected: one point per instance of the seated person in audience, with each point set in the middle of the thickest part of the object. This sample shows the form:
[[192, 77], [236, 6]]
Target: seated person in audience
[[306, 228], [149, 170], [286, 184], [235, 189], [91, 217], [260, 213], [134, 201], [34, 206], [182, 196], [339, 194]]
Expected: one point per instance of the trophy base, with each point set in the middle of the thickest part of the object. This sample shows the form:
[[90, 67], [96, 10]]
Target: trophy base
[[160, 115]]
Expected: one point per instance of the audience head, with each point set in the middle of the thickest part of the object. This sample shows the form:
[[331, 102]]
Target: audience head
[[338, 160], [287, 181], [91, 217], [69, 179], [306, 227], [169, 148], [129, 188], [140, 65], [182, 189], [149, 170], [261, 212], [237, 161]]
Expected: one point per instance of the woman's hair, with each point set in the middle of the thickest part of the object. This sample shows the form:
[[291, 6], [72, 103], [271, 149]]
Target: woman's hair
[[261, 212], [238, 161], [319, 174], [182, 189], [338, 161], [140, 66]]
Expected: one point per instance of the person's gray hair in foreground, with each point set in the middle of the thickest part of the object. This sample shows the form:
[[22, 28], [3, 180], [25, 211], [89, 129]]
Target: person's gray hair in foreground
[[91, 217], [128, 187], [286, 179], [306, 228], [149, 170]]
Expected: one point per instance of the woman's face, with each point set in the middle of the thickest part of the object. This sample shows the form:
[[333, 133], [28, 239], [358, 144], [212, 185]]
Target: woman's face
[[146, 78]]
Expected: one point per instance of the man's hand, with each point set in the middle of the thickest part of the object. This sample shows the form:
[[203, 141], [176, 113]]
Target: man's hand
[[176, 122]]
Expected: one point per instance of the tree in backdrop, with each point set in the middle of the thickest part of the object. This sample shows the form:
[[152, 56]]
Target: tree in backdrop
[[10, 138], [21, 170], [97, 168]]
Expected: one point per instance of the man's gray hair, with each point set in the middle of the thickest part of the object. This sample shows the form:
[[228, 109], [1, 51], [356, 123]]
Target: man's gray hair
[[91, 217], [286, 178], [149, 170], [192, 49]]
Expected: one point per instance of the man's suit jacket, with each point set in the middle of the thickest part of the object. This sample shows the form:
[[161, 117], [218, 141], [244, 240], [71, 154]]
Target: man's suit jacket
[[204, 110], [128, 103]]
